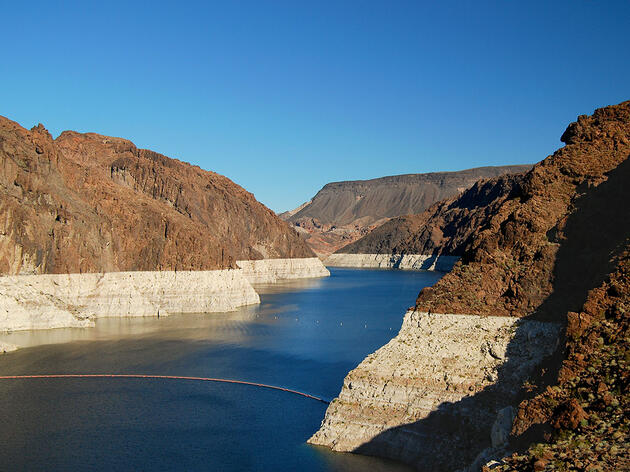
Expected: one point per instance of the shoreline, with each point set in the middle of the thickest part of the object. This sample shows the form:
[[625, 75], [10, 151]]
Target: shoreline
[[431, 262], [49, 301], [438, 366]]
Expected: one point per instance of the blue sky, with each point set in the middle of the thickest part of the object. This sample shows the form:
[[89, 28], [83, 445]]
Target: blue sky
[[283, 97]]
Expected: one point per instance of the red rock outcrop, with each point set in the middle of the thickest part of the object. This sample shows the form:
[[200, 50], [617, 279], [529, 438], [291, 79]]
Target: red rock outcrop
[[92, 203], [551, 247], [343, 212], [552, 238]]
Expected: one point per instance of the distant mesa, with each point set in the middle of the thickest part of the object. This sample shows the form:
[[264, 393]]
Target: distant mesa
[[343, 212]]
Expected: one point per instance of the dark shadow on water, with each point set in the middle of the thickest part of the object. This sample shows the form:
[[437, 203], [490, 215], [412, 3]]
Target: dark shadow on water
[[451, 437]]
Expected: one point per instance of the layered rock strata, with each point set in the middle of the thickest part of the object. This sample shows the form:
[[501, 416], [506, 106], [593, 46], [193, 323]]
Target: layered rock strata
[[342, 203], [542, 248], [75, 300], [274, 270], [393, 261], [437, 371]]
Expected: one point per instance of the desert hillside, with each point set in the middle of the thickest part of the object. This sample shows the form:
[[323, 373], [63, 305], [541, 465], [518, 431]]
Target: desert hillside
[[543, 254], [93, 203], [342, 212]]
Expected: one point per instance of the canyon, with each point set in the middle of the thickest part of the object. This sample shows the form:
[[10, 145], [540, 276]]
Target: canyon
[[342, 212], [92, 226], [518, 351], [505, 350]]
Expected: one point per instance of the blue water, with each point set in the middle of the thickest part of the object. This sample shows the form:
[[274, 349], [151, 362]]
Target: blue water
[[304, 335]]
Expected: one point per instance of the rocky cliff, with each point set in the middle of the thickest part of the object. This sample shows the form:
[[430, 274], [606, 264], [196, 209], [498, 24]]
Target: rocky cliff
[[445, 227], [436, 237], [92, 226], [535, 251], [342, 212], [92, 203]]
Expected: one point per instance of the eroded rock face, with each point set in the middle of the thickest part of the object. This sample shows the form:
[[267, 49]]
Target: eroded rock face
[[541, 248], [343, 212], [265, 271], [76, 300], [552, 239], [92, 203], [443, 376]]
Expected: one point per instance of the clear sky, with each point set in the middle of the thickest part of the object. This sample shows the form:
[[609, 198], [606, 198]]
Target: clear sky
[[283, 97]]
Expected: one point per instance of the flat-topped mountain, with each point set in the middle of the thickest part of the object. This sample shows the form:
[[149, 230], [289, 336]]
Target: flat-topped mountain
[[443, 229], [342, 212], [342, 203], [526, 338], [90, 203]]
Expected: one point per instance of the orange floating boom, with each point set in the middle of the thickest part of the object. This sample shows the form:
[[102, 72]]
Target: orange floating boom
[[168, 377]]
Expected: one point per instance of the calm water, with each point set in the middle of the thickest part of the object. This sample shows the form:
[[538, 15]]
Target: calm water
[[304, 335]]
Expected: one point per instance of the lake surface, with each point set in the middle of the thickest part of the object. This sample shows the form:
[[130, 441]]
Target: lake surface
[[305, 335]]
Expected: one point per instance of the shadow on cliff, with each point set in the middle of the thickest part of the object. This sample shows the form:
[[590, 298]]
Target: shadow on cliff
[[453, 436]]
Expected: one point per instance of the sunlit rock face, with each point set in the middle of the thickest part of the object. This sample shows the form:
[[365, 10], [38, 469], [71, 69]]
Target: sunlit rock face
[[273, 270], [393, 261], [440, 370], [535, 250], [75, 300], [91, 226], [90, 203]]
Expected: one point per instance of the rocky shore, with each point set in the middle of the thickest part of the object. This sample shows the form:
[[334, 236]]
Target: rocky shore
[[393, 261], [76, 300], [424, 381], [274, 270], [522, 349]]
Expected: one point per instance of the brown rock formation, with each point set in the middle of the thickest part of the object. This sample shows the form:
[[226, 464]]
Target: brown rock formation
[[551, 237], [343, 212], [445, 228], [508, 230], [550, 245], [91, 203], [584, 419]]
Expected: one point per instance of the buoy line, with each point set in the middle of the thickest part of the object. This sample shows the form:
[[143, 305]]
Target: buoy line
[[167, 377]]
